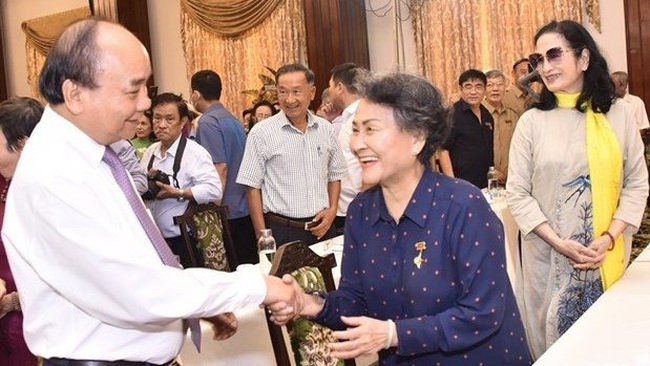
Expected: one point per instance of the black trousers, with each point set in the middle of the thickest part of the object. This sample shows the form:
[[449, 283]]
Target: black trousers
[[339, 224], [178, 247], [285, 234], [243, 236]]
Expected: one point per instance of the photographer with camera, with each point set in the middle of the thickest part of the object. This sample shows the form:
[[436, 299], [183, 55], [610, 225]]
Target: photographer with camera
[[178, 169]]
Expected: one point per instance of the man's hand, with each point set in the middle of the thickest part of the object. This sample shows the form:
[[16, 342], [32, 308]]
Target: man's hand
[[501, 177], [326, 218], [364, 336], [167, 191], [284, 298], [224, 326], [328, 111]]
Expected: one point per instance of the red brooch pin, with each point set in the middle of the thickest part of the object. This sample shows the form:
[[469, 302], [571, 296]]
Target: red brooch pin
[[420, 247]]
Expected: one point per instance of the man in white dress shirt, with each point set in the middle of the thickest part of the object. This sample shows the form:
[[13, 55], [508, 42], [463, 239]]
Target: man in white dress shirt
[[196, 179], [93, 287], [129, 158], [344, 96]]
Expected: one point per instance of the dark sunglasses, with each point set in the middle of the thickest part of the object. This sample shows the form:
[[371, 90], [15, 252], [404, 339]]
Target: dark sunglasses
[[553, 55]]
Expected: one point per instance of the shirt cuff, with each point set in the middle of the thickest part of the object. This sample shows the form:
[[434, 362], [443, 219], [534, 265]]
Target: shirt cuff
[[253, 280]]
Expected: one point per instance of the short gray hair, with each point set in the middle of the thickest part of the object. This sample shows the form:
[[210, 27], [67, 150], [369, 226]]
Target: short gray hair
[[493, 74]]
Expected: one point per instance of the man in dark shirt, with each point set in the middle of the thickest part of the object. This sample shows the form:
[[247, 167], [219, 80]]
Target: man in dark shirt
[[468, 152]]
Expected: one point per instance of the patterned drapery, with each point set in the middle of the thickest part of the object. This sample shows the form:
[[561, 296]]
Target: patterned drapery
[[454, 35], [592, 8], [277, 40], [40, 34], [229, 18]]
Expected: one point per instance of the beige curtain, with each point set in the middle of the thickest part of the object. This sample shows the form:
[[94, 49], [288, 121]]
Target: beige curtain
[[229, 18], [40, 34], [454, 35], [278, 39]]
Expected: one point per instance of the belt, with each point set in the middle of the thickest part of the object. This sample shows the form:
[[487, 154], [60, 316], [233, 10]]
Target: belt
[[285, 221], [70, 362]]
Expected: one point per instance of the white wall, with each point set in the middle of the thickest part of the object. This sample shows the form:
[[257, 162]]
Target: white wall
[[382, 37], [166, 47], [612, 40], [168, 59]]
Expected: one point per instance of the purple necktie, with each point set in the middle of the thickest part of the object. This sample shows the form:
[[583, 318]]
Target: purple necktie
[[159, 243]]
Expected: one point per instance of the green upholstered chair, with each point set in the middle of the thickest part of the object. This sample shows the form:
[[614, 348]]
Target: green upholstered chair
[[309, 341], [206, 226]]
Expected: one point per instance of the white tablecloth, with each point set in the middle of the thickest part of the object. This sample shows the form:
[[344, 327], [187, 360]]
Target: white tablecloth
[[615, 331], [643, 257], [251, 345], [511, 232]]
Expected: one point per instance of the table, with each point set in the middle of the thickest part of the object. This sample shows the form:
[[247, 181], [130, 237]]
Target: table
[[615, 331], [511, 238]]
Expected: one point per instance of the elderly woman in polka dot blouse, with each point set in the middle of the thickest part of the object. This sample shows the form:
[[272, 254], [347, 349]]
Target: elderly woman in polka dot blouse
[[423, 278]]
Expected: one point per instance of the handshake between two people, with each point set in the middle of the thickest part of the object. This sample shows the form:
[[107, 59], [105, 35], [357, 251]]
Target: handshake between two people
[[285, 300]]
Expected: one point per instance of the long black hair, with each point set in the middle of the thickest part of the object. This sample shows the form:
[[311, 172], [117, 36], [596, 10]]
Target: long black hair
[[597, 87]]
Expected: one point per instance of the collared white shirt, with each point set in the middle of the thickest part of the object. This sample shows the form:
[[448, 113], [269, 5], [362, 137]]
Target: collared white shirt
[[126, 152], [351, 183], [91, 283], [196, 173], [638, 110], [291, 167]]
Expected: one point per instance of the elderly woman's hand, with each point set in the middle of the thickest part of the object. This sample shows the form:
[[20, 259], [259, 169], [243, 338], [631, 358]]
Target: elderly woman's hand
[[365, 336], [600, 246], [3, 288], [579, 256]]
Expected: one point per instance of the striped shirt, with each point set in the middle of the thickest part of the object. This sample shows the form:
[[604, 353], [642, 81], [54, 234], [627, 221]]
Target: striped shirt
[[292, 168]]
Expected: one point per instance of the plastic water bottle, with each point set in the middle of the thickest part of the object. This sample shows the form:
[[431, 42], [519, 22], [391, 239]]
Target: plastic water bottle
[[266, 244], [493, 182]]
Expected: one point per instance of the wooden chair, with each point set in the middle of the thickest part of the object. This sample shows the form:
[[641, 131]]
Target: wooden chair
[[206, 226], [297, 259]]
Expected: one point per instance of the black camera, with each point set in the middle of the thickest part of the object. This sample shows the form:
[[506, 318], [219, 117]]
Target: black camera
[[152, 188]]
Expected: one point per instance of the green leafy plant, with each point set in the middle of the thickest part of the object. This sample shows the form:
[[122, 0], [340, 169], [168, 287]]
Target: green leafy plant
[[267, 91]]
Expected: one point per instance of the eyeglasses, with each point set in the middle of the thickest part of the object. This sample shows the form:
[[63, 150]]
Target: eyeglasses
[[553, 56], [169, 120]]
